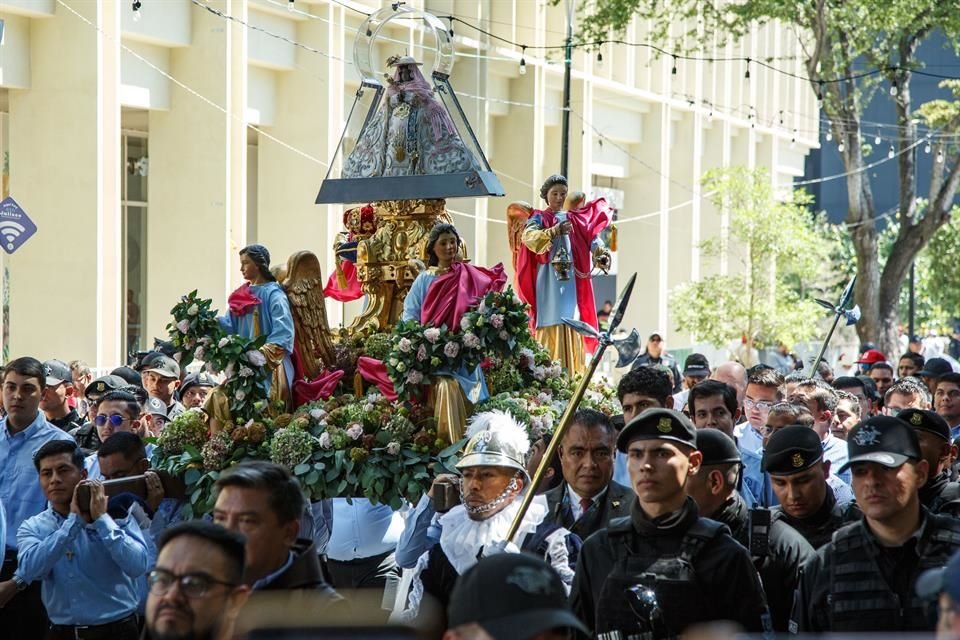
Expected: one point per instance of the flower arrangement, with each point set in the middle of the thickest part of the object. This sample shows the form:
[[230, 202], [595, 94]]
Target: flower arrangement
[[197, 335], [345, 446], [419, 351], [496, 324]]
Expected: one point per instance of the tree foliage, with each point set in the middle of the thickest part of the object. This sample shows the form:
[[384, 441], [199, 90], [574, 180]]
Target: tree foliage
[[784, 260], [840, 38]]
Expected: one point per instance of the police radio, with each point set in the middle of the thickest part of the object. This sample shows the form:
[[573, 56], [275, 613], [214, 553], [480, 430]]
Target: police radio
[[759, 536]]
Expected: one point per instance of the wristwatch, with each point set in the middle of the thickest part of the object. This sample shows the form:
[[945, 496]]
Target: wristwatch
[[20, 582]]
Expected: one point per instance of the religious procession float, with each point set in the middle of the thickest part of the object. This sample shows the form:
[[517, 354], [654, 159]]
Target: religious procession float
[[378, 409]]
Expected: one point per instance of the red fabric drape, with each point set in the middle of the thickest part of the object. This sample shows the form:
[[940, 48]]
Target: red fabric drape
[[452, 293], [353, 290], [587, 222], [242, 301], [373, 370]]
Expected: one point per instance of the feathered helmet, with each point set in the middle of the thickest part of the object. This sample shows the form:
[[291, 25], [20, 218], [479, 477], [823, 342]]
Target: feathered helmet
[[496, 440], [360, 221]]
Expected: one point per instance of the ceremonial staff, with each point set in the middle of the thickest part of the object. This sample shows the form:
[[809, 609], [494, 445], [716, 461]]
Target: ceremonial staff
[[852, 315], [628, 348]]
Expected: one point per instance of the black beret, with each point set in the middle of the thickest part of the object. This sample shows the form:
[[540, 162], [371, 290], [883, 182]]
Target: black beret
[[104, 385], [658, 424], [924, 420], [717, 447], [883, 440], [791, 450]]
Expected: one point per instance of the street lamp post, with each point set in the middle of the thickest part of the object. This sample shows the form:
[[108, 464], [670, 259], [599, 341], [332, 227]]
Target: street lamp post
[[567, 63]]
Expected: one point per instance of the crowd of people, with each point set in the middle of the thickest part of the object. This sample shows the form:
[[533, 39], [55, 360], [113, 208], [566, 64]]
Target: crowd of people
[[777, 503]]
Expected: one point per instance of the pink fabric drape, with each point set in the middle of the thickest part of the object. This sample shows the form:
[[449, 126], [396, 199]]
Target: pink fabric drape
[[452, 293]]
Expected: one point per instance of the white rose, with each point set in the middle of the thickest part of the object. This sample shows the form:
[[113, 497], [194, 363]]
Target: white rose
[[223, 342], [240, 395], [183, 326], [256, 358], [393, 448], [316, 414], [325, 441], [193, 310]]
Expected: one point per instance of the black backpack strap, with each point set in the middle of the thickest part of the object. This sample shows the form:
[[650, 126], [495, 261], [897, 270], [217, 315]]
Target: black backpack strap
[[698, 536]]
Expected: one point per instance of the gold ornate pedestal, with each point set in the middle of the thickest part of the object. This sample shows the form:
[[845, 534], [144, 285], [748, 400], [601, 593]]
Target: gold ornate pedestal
[[384, 265]]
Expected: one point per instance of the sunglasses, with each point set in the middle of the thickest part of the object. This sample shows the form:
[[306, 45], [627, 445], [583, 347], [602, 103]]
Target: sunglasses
[[115, 420]]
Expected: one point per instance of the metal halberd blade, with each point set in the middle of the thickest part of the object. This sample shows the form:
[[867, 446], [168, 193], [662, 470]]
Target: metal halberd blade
[[621, 307], [628, 348], [581, 327]]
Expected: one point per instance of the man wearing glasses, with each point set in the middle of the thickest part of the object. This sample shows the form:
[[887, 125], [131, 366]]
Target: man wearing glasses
[[117, 412], [763, 391], [196, 589], [821, 399]]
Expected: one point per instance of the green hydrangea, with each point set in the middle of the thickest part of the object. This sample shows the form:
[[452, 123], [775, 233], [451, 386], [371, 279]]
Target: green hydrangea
[[290, 447], [378, 346], [505, 402], [187, 429]]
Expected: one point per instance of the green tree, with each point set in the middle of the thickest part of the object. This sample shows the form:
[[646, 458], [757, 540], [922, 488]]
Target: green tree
[[837, 36], [785, 261]]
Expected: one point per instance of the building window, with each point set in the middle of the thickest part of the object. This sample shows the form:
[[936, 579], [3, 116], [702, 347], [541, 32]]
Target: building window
[[134, 203]]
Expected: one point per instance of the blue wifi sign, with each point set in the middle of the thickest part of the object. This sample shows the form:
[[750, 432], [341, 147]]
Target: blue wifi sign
[[15, 226]]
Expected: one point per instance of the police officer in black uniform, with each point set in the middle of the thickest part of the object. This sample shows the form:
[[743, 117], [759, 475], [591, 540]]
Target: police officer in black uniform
[[863, 580], [798, 474], [663, 568], [777, 549], [939, 495]]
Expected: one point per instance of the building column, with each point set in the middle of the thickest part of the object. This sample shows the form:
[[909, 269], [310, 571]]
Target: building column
[[197, 171], [67, 277]]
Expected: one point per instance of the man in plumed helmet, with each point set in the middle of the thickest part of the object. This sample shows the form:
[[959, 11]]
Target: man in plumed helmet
[[493, 478]]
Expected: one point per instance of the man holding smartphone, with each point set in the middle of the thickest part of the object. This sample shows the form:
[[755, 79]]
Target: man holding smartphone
[[88, 562]]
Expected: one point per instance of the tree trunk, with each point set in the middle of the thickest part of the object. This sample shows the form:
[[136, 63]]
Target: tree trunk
[[889, 341], [867, 291]]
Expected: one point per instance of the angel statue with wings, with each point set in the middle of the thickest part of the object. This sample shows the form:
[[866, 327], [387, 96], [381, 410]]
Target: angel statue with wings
[[293, 318], [554, 253]]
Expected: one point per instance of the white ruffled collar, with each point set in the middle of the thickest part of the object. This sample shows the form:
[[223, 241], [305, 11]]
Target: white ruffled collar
[[462, 538]]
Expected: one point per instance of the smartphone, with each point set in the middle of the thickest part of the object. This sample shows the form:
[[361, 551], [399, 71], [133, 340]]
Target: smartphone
[[759, 532]]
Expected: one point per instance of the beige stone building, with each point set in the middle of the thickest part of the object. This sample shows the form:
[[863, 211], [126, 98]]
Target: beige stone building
[[149, 148]]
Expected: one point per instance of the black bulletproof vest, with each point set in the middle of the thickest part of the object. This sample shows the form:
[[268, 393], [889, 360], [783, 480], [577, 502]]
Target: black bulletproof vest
[[860, 595], [653, 597]]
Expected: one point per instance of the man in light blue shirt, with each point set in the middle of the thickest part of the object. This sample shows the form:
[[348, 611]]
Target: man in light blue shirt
[[22, 432], [821, 399], [89, 562], [362, 546]]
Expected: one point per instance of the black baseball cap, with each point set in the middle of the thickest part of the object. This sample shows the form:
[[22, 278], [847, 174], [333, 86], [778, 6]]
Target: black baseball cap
[[102, 385], [56, 372], [924, 420], [163, 366], [696, 366], [934, 368], [201, 379], [791, 450], [884, 440], [512, 596], [131, 375], [717, 447], [658, 424]]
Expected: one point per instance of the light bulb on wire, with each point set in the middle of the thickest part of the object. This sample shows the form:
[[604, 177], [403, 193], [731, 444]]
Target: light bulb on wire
[[926, 147], [290, 6], [523, 62], [136, 10], [877, 140], [891, 153], [841, 147], [599, 58], [939, 156]]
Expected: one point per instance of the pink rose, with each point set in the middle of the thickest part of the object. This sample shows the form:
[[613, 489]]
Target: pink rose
[[414, 377], [432, 334], [451, 349], [497, 320], [183, 326], [405, 345], [422, 353], [355, 431]]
